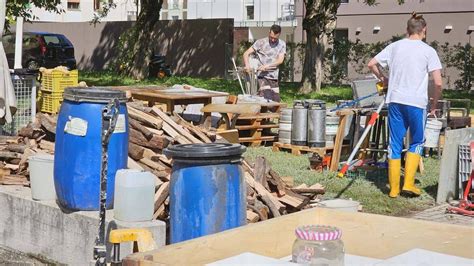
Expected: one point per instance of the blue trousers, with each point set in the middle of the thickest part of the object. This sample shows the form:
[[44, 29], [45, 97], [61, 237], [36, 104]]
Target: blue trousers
[[400, 118]]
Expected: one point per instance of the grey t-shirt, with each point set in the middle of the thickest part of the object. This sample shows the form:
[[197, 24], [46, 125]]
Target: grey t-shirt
[[267, 53]]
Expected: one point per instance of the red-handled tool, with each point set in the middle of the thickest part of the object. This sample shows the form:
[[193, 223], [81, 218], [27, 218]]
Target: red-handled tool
[[371, 123]]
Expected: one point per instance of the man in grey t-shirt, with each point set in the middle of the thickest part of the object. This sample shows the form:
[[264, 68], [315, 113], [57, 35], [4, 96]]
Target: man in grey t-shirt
[[270, 53]]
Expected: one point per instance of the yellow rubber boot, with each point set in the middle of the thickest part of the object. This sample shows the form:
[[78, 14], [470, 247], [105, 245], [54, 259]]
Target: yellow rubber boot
[[394, 177], [411, 165]]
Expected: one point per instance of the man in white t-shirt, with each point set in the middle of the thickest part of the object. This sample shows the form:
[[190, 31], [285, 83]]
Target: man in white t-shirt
[[410, 62]]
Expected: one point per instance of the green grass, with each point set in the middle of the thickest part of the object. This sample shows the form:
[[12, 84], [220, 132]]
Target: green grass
[[288, 91], [371, 192]]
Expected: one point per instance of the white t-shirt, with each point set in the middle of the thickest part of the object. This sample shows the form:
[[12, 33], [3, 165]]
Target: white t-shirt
[[409, 62]]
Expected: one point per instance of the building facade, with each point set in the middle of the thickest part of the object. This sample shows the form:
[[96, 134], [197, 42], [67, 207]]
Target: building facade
[[84, 10]]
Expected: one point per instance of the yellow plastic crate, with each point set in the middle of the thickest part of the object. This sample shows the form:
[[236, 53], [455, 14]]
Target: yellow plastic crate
[[50, 102], [56, 80]]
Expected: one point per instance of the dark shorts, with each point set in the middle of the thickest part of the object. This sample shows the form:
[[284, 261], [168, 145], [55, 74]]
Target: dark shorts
[[268, 89]]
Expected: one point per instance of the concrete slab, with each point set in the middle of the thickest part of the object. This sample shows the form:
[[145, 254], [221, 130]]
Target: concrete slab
[[438, 214], [41, 227]]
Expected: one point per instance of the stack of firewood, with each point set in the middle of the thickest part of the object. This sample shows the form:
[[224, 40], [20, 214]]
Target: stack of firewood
[[151, 130], [36, 138]]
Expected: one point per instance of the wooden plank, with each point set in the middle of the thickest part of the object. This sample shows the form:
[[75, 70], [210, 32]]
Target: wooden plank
[[153, 164], [259, 116], [175, 126], [231, 135], [145, 118], [336, 154], [369, 235], [257, 139], [247, 127], [260, 171], [293, 202], [239, 108], [195, 130], [131, 164], [161, 194]]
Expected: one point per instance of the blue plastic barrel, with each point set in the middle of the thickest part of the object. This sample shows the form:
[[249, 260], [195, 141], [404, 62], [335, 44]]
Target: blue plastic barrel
[[207, 189], [78, 148]]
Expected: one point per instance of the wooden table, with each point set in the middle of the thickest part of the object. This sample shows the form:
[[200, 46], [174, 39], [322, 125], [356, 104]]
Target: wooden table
[[170, 97]]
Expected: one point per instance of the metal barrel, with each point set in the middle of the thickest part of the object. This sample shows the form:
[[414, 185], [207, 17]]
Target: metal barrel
[[284, 130], [316, 123], [299, 123]]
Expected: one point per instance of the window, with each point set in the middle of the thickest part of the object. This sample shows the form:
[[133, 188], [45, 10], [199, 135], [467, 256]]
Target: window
[[174, 17], [51, 39], [250, 12], [73, 4], [98, 3], [344, 1], [175, 4]]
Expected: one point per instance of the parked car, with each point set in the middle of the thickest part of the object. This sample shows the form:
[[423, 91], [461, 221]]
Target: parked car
[[41, 49]]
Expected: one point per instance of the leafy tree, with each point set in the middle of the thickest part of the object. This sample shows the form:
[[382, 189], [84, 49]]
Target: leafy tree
[[319, 23], [22, 8]]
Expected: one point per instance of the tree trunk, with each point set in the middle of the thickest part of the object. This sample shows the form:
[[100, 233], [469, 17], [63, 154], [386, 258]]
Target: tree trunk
[[313, 63], [140, 39], [319, 22]]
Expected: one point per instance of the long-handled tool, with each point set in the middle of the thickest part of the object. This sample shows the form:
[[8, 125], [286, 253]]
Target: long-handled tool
[[353, 102], [238, 76], [373, 119], [109, 120]]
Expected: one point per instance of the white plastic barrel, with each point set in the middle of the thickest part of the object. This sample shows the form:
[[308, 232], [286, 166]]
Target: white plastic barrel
[[134, 198], [432, 130], [41, 168]]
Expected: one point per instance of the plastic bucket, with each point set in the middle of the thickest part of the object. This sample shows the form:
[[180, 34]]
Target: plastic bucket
[[41, 177], [340, 205], [432, 130]]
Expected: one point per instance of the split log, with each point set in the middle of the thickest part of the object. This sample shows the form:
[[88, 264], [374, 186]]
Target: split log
[[47, 123], [252, 217], [261, 170], [161, 194], [167, 120], [136, 125], [9, 155], [157, 142], [145, 118], [20, 148], [135, 151], [47, 145]]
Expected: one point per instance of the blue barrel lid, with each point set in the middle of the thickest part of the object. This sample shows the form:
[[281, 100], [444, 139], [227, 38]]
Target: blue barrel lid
[[204, 150], [93, 95]]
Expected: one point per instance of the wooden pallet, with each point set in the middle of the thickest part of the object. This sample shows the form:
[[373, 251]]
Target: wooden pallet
[[298, 150]]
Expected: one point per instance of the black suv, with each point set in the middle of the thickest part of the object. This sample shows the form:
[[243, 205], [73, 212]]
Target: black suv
[[41, 49]]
